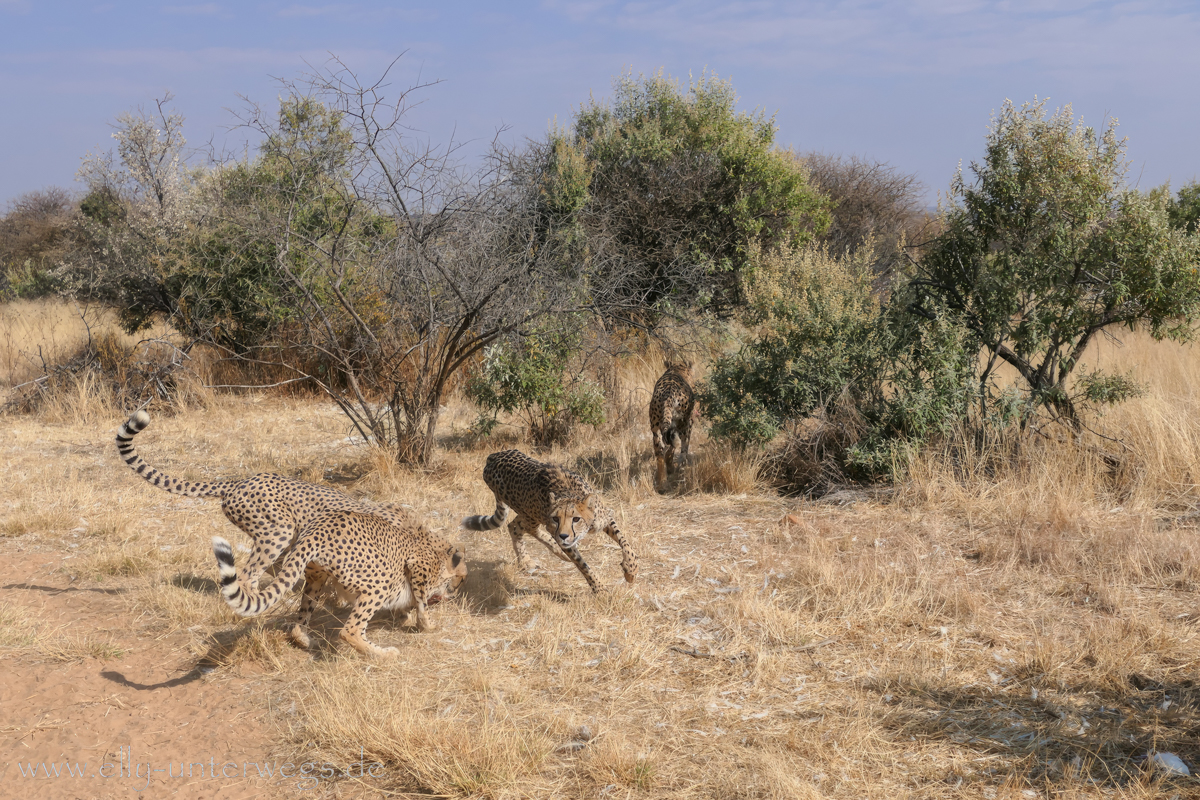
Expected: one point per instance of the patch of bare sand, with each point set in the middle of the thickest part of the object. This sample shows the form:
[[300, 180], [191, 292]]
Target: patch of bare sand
[[142, 719]]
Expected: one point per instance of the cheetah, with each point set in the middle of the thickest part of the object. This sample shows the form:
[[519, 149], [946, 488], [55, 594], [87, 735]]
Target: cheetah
[[271, 509], [551, 496], [671, 407], [381, 565]]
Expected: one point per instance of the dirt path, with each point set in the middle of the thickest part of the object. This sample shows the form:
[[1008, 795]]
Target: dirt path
[[138, 718]]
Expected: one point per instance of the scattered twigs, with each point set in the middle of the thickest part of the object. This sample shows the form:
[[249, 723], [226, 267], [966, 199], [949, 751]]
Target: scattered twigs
[[694, 653]]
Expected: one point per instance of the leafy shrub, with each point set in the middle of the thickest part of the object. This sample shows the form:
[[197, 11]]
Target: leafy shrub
[[1046, 246], [812, 315], [672, 187], [533, 378], [825, 347], [1183, 210]]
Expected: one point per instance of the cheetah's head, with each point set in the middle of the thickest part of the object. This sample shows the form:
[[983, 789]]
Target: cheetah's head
[[454, 572], [680, 366], [572, 518]]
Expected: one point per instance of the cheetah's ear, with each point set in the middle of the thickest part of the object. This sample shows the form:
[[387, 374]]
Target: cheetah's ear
[[552, 498], [457, 559], [591, 502]]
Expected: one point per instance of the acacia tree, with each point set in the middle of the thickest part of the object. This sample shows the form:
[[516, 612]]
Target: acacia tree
[[404, 264], [137, 208], [1046, 247]]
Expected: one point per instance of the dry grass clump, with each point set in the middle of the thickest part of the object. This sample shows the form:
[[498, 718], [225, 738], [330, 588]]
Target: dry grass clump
[[806, 458], [68, 648], [260, 642], [23, 629], [33, 332], [723, 468], [18, 626], [71, 363], [465, 740], [185, 601], [133, 557]]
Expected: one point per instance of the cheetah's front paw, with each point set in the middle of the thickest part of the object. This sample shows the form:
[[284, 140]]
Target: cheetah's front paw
[[300, 637]]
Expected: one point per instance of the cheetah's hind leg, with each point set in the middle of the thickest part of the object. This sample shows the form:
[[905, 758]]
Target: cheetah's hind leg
[[315, 577], [268, 549], [676, 447], [660, 465]]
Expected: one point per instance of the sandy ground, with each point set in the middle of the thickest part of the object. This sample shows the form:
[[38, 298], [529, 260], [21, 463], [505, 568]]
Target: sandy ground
[[125, 724], [871, 649]]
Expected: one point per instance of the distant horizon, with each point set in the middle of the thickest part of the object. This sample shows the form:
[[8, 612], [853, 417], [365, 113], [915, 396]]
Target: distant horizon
[[913, 85]]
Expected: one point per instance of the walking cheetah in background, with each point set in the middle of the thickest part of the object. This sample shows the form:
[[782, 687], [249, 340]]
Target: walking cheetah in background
[[671, 407], [551, 496], [270, 508], [382, 565]]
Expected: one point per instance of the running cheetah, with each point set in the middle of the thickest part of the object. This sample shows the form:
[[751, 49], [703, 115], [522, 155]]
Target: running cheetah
[[270, 508], [553, 496], [380, 564], [671, 408]]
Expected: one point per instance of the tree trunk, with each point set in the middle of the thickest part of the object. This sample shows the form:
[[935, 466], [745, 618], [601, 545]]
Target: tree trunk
[[415, 431]]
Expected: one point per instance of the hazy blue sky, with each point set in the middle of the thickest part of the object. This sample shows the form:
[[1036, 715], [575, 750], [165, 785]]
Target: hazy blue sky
[[910, 83]]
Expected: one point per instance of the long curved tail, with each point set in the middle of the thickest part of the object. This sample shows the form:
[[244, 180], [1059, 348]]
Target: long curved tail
[[135, 425], [668, 431], [482, 522], [244, 602]]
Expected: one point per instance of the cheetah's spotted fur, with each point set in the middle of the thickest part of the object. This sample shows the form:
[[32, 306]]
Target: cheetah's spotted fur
[[551, 496], [270, 508], [382, 565], [671, 407]]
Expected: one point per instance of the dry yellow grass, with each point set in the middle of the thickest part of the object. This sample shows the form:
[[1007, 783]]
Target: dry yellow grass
[[35, 333], [72, 363], [1019, 628]]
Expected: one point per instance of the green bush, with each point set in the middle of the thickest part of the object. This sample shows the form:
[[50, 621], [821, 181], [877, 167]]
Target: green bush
[[533, 378], [813, 316], [672, 188], [1046, 247], [824, 346], [1184, 208]]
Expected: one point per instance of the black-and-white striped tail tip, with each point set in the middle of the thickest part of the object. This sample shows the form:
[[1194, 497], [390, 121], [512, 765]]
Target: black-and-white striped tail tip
[[223, 552], [136, 423]]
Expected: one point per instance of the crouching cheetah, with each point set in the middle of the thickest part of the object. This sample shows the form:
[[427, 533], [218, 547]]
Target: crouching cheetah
[[270, 508], [671, 407], [551, 496], [380, 564]]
